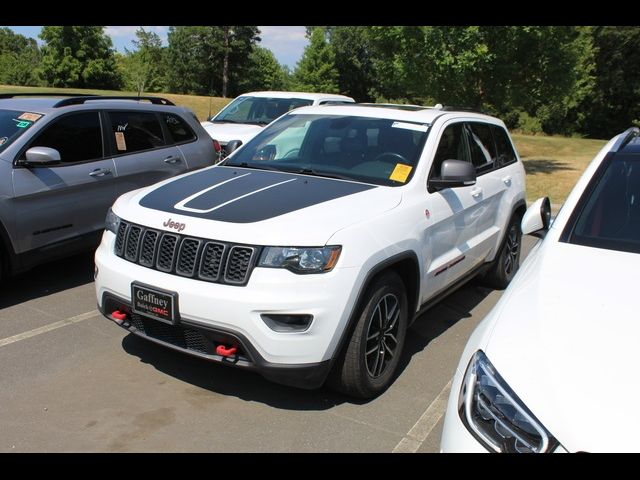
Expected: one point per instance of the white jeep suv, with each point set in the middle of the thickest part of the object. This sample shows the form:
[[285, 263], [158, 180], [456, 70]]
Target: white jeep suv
[[309, 251]]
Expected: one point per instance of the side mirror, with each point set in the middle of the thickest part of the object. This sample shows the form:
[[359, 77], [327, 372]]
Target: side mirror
[[233, 145], [42, 156], [537, 218], [454, 173], [268, 152]]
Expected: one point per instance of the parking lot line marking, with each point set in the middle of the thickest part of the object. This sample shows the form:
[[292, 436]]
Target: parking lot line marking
[[48, 328], [423, 427]]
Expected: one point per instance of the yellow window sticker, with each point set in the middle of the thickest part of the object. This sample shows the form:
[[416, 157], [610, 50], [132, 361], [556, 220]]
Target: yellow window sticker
[[32, 117], [120, 142], [401, 172]]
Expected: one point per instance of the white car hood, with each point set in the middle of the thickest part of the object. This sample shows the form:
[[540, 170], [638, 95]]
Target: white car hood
[[567, 343], [225, 132], [256, 207]]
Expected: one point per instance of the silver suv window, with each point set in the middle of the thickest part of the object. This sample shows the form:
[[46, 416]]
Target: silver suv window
[[14, 123]]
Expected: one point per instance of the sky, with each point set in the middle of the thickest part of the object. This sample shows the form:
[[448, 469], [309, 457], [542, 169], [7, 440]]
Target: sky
[[286, 43]]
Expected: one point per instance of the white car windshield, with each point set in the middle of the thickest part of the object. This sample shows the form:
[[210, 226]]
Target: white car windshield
[[257, 110], [366, 149]]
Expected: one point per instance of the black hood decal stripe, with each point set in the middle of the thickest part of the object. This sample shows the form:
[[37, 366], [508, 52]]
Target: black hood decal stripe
[[240, 195]]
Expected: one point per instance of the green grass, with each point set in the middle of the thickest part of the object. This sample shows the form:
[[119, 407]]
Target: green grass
[[199, 104], [553, 164]]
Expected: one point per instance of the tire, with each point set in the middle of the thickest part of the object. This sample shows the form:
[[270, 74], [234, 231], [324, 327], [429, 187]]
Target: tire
[[507, 262], [383, 321]]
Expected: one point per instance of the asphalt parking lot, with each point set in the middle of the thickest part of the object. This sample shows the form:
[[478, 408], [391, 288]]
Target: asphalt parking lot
[[72, 381]]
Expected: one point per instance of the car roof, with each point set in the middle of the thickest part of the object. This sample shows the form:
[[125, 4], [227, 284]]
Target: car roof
[[46, 105], [411, 113], [305, 95]]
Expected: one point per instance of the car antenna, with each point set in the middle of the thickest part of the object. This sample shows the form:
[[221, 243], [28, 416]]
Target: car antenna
[[210, 96]]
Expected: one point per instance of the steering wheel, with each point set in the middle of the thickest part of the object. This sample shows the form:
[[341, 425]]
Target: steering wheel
[[396, 156], [293, 153]]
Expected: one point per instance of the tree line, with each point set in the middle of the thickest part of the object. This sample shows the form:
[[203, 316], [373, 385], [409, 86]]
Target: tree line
[[551, 79]]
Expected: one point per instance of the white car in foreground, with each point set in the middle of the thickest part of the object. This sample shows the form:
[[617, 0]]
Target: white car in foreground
[[552, 367], [247, 115]]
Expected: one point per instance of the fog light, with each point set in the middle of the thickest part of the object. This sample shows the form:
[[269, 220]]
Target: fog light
[[287, 322]]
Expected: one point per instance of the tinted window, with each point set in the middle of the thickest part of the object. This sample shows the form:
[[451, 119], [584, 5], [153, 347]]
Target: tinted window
[[451, 147], [13, 124], [77, 137], [135, 131], [609, 211], [506, 154], [178, 128], [373, 150], [483, 151], [258, 110]]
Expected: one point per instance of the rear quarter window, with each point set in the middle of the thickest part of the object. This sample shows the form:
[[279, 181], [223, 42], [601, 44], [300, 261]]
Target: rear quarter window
[[179, 130], [505, 152]]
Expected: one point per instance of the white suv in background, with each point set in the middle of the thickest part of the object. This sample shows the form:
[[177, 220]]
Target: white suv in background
[[248, 114], [308, 252]]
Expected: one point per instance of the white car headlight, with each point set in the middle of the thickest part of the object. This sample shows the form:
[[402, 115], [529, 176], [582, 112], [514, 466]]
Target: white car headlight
[[300, 259], [495, 415], [112, 222]]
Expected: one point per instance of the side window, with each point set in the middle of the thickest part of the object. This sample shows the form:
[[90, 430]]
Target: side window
[[178, 128], [506, 155], [451, 147], [483, 150], [135, 131], [77, 137]]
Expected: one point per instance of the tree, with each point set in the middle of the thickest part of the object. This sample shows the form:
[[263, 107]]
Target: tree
[[316, 71], [79, 56], [353, 62], [143, 68], [19, 59], [196, 56], [263, 72], [614, 103]]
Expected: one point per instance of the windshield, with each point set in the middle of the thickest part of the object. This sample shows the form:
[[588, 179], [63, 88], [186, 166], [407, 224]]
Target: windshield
[[365, 149], [258, 110], [14, 123], [609, 211]]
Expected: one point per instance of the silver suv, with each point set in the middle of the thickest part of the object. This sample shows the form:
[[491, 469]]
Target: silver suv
[[63, 162]]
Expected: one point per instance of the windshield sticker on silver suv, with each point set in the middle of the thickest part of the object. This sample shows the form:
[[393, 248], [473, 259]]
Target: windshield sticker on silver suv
[[31, 117], [410, 126], [22, 123]]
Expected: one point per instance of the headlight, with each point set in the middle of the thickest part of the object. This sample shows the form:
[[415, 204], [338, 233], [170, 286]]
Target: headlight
[[495, 415], [300, 259], [112, 222]]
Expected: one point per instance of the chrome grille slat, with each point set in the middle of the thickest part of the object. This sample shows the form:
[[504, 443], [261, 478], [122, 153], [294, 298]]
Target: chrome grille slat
[[198, 258]]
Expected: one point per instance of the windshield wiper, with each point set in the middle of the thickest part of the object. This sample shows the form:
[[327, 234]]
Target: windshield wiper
[[223, 121], [315, 173], [258, 123], [252, 165]]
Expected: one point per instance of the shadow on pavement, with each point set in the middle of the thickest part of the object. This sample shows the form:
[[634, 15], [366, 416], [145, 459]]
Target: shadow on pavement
[[252, 387], [47, 279]]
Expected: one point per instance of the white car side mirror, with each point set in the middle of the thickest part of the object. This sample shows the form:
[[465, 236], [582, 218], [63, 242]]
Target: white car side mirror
[[537, 218]]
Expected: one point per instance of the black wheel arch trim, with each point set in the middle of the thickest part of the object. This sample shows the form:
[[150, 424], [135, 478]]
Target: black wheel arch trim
[[371, 274]]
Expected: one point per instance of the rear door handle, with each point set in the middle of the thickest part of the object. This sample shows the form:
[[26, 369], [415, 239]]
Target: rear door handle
[[476, 192], [100, 172], [172, 160], [507, 180]]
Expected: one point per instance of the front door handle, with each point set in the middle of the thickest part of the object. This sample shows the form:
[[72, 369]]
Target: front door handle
[[100, 172], [172, 160], [507, 180], [476, 192]]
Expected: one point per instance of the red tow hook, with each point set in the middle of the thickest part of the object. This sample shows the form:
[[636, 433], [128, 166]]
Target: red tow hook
[[119, 316], [226, 352]]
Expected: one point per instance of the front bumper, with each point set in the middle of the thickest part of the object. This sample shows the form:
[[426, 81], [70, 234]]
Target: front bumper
[[232, 310]]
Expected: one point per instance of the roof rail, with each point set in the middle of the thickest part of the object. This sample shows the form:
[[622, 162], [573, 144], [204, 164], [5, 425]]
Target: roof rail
[[451, 108], [43, 94], [626, 136], [82, 99]]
